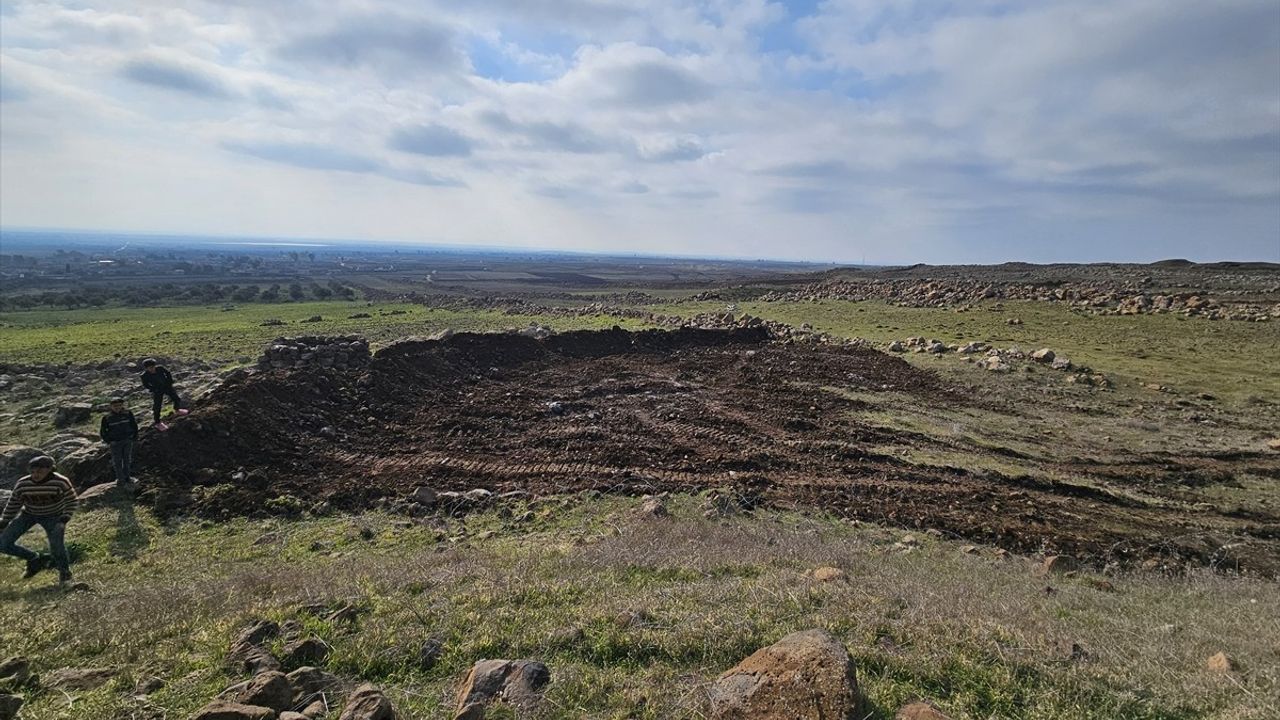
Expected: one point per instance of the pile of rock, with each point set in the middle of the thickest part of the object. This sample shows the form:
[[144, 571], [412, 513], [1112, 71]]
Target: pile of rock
[[778, 331], [72, 452], [921, 345], [315, 351], [1097, 299]]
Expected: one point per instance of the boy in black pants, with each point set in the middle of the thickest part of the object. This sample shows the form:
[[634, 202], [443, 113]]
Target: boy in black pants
[[119, 430], [42, 498], [157, 379]]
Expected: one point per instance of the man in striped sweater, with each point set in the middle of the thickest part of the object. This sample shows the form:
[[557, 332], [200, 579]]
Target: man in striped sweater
[[42, 498]]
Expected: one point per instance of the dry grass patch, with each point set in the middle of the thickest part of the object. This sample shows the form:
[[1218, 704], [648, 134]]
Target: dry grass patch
[[636, 616]]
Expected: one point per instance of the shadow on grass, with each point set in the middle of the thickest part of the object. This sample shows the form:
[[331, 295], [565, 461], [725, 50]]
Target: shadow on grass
[[130, 538]]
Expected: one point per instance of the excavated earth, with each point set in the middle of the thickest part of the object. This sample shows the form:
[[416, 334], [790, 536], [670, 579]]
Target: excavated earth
[[634, 413]]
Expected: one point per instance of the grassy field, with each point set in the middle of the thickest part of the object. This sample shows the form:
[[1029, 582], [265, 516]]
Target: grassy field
[[1235, 360], [978, 634], [208, 332]]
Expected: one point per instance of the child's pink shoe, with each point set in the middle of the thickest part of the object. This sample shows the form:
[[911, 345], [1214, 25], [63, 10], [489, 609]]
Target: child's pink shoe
[[183, 411], [161, 426]]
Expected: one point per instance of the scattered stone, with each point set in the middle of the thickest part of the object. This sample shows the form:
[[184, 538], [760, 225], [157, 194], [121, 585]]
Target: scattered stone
[[9, 706], [995, 363], [654, 507], [72, 414], [291, 715], [15, 671], [247, 651], [98, 495], [311, 684], [258, 632], [13, 462], [631, 618], [1103, 585], [301, 653], [1043, 355], [1076, 653], [827, 573], [920, 711], [722, 505], [1221, 663], [267, 689], [148, 685], [345, 615], [315, 351], [423, 495], [806, 674], [429, 653], [368, 703], [79, 678], [1057, 564], [516, 682], [1274, 444], [233, 711], [969, 549]]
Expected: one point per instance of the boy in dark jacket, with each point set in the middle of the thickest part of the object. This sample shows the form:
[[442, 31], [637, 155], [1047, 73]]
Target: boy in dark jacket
[[158, 379], [119, 430], [42, 498]]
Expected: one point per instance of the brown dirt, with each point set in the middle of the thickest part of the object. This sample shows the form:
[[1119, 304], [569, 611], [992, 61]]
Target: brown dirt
[[642, 412]]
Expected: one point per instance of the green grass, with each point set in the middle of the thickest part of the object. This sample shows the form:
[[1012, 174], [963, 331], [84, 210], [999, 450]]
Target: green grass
[[207, 332], [978, 635], [1234, 360]]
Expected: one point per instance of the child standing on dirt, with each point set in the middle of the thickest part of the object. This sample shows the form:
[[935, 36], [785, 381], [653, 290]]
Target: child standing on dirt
[[119, 430], [158, 379], [42, 498]]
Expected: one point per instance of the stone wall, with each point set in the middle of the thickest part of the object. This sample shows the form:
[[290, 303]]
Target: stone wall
[[315, 351]]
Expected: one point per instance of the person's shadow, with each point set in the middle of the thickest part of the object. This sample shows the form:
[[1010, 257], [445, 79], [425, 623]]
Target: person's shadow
[[131, 538]]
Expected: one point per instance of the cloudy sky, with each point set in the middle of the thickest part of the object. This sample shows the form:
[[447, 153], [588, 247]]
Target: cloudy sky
[[898, 131]]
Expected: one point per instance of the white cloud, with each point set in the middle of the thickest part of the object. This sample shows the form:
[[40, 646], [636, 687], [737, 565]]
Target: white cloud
[[909, 130]]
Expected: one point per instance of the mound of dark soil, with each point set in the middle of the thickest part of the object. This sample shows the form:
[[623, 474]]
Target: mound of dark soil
[[626, 412]]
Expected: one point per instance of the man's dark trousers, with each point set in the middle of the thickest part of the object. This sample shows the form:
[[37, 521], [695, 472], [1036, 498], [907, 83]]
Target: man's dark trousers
[[157, 399], [122, 459], [53, 527]]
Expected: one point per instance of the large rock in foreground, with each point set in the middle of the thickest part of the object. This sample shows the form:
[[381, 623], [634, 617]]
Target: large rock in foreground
[[806, 674], [517, 683]]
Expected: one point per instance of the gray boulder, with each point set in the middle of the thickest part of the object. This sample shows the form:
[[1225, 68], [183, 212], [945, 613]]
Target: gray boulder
[[13, 463], [72, 414]]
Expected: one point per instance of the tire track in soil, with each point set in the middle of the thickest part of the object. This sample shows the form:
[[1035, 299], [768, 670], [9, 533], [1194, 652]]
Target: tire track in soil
[[474, 411]]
